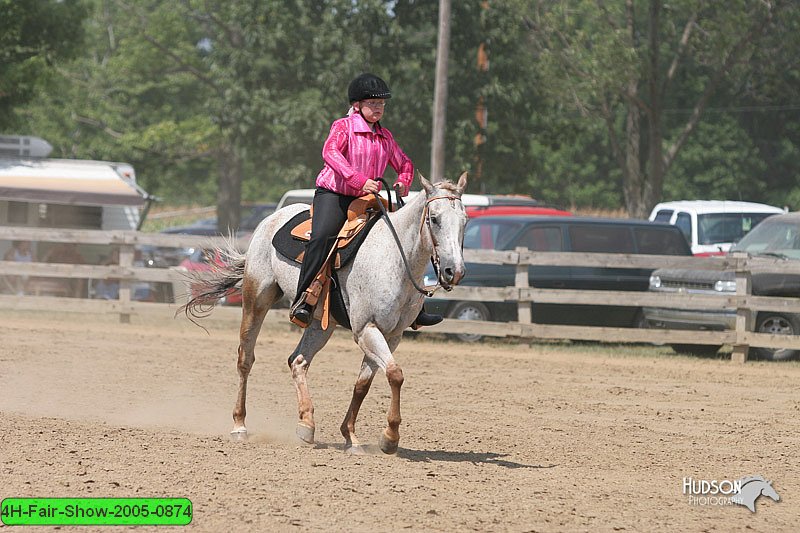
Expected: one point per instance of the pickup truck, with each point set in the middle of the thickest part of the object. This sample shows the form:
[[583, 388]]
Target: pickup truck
[[776, 236]]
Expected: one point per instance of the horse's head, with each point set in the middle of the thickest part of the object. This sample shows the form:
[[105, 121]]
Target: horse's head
[[769, 491], [445, 217]]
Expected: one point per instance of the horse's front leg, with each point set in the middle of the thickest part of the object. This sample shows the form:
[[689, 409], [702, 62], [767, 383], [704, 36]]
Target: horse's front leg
[[375, 346], [360, 390]]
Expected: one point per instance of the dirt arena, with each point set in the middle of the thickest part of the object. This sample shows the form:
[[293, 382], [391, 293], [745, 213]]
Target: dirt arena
[[495, 437]]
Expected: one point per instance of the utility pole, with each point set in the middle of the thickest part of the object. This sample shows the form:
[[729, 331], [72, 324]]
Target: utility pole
[[440, 93]]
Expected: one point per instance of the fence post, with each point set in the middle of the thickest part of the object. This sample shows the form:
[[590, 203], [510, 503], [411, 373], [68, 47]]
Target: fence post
[[521, 281], [744, 318], [126, 254]]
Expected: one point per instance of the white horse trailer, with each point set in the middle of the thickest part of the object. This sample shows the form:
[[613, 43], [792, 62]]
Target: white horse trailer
[[39, 192], [64, 193]]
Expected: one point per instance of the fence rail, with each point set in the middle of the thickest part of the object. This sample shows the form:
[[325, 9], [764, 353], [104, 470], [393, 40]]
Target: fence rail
[[742, 302]]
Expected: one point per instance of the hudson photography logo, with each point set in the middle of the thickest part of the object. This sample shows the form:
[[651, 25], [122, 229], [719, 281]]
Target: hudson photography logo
[[744, 491]]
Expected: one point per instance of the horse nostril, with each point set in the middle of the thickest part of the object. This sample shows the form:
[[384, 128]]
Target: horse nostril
[[448, 274]]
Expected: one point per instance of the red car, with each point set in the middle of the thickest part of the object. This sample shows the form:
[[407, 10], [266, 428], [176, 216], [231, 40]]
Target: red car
[[476, 211]]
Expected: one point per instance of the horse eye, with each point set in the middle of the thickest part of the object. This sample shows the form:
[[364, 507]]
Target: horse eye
[[435, 219]]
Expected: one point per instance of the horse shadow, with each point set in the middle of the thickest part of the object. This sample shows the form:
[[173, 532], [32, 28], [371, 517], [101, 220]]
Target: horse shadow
[[490, 458], [432, 456]]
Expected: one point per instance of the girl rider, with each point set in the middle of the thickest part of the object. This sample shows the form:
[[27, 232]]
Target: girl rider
[[356, 152]]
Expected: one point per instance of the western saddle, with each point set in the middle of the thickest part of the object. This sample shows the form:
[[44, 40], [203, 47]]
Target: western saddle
[[359, 213]]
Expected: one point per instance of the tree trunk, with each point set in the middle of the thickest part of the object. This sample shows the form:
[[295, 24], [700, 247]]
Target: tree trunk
[[632, 175], [655, 169], [644, 172], [632, 172], [229, 191]]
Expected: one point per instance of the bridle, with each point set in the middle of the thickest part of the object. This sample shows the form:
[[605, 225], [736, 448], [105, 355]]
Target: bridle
[[424, 222]]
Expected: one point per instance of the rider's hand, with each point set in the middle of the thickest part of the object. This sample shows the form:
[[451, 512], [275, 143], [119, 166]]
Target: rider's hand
[[370, 186], [401, 188]]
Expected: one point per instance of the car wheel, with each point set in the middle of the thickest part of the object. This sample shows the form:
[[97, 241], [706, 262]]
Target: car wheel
[[776, 324], [469, 311], [695, 349]]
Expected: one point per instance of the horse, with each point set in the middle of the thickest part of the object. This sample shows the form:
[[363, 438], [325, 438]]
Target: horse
[[377, 287], [752, 488]]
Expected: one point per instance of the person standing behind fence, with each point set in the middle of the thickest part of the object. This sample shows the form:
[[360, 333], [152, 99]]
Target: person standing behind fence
[[20, 252]]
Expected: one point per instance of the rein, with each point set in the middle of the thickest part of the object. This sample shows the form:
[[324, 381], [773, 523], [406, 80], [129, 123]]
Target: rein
[[426, 221]]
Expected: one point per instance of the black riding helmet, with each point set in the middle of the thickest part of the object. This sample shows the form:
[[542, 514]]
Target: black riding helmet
[[367, 86]]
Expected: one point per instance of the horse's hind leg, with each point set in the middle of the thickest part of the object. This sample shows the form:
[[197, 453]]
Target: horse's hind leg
[[379, 350], [360, 390], [254, 309], [314, 338]]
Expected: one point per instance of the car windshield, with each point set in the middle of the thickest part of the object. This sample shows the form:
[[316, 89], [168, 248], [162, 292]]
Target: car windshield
[[777, 236], [715, 228], [490, 234]]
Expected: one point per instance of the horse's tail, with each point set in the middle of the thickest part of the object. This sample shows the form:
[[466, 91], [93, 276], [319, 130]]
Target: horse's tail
[[227, 270]]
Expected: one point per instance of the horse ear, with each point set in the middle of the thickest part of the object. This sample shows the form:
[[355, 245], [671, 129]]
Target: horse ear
[[425, 183], [462, 182]]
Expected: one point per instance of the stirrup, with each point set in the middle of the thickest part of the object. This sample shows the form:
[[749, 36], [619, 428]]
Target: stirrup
[[301, 313]]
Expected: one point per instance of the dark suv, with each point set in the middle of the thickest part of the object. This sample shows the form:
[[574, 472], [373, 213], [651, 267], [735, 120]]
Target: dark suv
[[560, 234]]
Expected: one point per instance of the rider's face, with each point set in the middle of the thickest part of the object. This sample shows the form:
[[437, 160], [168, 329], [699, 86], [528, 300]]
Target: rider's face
[[372, 110]]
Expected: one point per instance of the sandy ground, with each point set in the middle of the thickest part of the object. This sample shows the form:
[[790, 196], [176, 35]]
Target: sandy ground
[[495, 437]]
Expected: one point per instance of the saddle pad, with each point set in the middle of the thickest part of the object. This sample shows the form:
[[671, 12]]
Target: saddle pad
[[292, 248], [338, 309]]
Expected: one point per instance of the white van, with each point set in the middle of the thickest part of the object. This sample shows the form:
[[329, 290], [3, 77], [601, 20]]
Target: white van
[[712, 226], [296, 196]]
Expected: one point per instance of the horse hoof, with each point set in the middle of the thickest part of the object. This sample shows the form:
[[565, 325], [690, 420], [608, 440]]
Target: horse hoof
[[306, 433], [388, 447], [239, 435], [355, 450]]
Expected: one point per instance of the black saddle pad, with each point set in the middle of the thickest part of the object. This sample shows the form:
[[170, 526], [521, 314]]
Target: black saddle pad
[[338, 309], [290, 247]]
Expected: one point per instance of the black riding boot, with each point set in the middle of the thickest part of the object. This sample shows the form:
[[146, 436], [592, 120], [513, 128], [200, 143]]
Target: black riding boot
[[330, 213], [426, 319]]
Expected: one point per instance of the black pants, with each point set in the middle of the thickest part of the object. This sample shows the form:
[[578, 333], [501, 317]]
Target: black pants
[[330, 214]]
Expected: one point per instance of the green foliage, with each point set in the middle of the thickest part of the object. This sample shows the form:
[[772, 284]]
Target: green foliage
[[188, 90], [574, 169], [717, 163], [33, 35], [628, 64]]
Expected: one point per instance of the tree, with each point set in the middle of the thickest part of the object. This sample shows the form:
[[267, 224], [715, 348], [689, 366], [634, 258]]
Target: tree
[[34, 34], [218, 101], [203, 84], [626, 63]]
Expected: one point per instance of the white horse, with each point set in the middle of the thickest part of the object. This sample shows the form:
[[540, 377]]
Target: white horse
[[381, 299]]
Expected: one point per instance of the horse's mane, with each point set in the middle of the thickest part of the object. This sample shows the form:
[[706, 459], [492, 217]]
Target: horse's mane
[[750, 479]]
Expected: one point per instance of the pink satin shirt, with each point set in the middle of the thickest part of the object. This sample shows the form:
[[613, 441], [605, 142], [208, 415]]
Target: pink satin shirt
[[353, 153]]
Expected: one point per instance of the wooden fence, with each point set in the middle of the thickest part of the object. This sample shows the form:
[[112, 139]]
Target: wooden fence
[[742, 302]]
